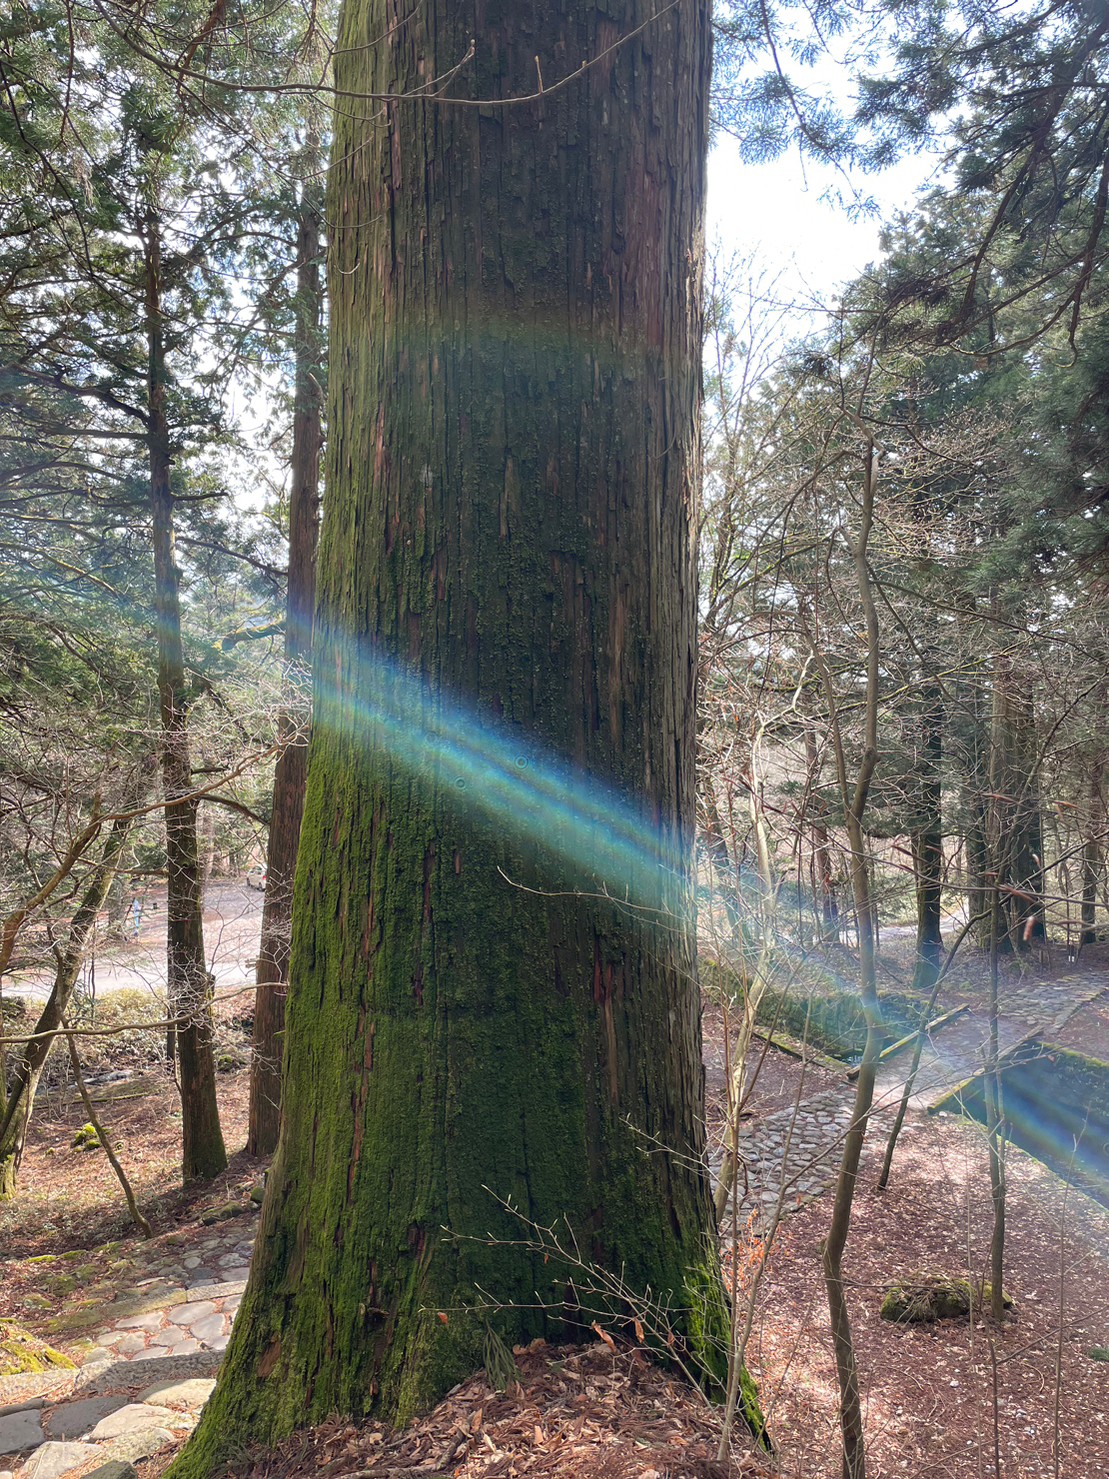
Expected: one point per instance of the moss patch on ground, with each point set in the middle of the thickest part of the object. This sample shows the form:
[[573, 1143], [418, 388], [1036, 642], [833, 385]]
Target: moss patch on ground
[[22, 1353], [931, 1297]]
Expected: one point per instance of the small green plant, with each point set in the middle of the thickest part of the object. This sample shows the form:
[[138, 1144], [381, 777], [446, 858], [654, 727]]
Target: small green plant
[[501, 1370]]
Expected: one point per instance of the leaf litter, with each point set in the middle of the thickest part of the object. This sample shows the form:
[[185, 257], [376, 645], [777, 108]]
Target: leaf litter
[[585, 1411]]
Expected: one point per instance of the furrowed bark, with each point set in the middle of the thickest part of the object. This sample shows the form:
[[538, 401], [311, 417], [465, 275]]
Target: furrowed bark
[[189, 985], [513, 465], [292, 764]]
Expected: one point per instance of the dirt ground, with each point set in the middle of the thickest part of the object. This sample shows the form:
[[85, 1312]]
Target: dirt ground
[[930, 1391], [948, 1400]]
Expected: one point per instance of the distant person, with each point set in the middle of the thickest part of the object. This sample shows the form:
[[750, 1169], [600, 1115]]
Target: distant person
[[136, 916]]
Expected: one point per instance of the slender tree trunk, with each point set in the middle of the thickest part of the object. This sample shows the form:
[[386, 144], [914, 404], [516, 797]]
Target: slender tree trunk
[[928, 870], [824, 888], [724, 869], [1091, 855], [1025, 872], [105, 1139], [505, 643], [7, 1159], [190, 992], [927, 840], [995, 1119], [854, 798], [1014, 882], [976, 787], [13, 922], [15, 1115], [979, 892], [1001, 844], [292, 765]]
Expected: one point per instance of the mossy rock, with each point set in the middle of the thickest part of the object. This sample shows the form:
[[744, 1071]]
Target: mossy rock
[[86, 1138], [225, 1213], [931, 1297], [22, 1353]]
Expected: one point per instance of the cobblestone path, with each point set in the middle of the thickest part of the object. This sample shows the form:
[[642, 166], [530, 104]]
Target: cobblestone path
[[793, 1154], [155, 1347], [958, 1052]]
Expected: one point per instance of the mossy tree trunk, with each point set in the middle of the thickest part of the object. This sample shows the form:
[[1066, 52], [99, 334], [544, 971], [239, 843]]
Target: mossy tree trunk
[[513, 464], [189, 988], [292, 766]]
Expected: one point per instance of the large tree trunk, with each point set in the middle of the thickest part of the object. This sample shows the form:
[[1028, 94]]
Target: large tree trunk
[[506, 574], [189, 984], [292, 765]]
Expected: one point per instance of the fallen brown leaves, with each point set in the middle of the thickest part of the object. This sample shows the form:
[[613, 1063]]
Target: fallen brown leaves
[[587, 1412]]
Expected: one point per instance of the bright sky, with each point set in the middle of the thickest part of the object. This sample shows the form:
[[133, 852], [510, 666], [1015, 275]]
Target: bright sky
[[777, 211]]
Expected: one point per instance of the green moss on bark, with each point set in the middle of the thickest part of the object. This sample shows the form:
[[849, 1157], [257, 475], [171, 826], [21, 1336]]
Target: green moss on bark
[[472, 1023]]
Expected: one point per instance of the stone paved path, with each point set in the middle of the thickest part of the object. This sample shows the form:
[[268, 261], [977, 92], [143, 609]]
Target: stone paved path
[[793, 1154], [59, 1436], [158, 1342], [1031, 1008], [155, 1350], [193, 1299]]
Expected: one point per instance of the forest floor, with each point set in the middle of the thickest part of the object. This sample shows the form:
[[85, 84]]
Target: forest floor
[[948, 1399]]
